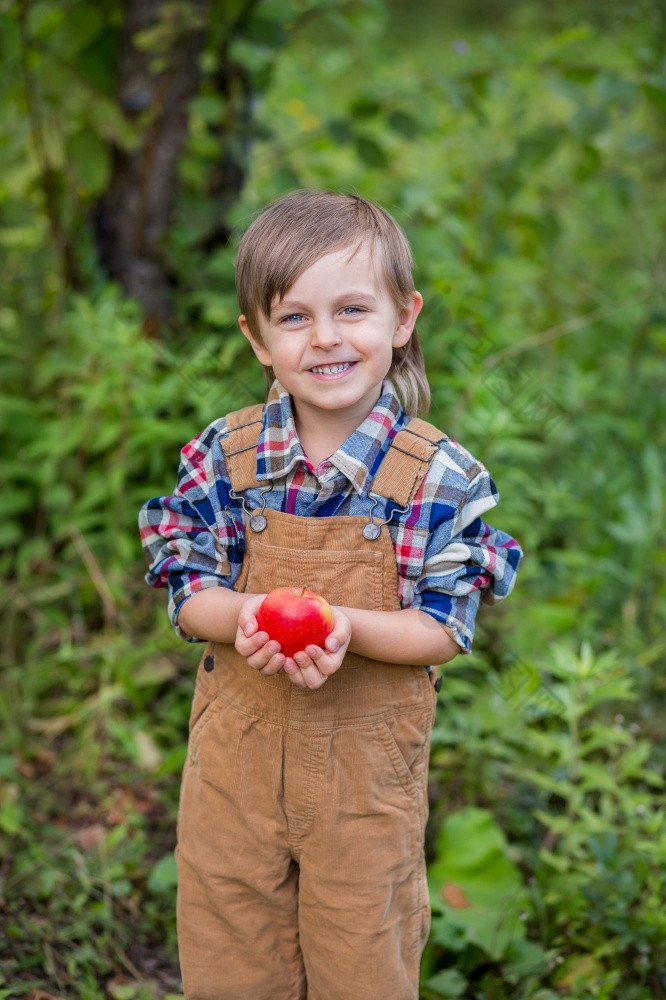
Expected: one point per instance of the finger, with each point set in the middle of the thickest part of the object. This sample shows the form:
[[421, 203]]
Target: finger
[[293, 672], [248, 645], [338, 639], [313, 677], [274, 665], [303, 659], [247, 624], [325, 663], [310, 666], [262, 657]]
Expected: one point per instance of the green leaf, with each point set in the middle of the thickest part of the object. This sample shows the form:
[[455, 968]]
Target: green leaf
[[579, 973], [340, 130], [614, 89], [656, 95], [526, 958], [588, 122], [88, 161], [568, 38], [474, 882], [12, 818], [7, 766], [163, 876], [370, 152], [44, 19], [10, 534], [76, 32], [590, 162], [118, 990], [405, 124], [173, 762], [537, 146], [448, 984], [209, 107], [365, 107], [265, 32]]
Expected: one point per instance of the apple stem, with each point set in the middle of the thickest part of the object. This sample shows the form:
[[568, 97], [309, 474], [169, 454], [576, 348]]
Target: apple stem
[[303, 589]]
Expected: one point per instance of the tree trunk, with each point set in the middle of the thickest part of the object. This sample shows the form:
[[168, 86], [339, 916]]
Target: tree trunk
[[156, 77]]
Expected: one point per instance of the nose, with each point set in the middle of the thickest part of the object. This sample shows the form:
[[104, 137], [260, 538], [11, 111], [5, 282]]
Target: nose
[[325, 333]]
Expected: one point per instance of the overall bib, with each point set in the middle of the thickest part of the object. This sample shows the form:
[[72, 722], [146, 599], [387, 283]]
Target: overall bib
[[302, 819]]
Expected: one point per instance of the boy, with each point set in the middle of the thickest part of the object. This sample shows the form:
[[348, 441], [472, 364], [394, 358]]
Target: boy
[[304, 799]]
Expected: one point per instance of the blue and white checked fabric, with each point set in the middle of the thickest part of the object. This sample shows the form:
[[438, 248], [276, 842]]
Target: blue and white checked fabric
[[448, 558]]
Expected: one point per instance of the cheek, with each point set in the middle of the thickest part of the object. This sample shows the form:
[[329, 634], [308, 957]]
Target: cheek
[[384, 351], [283, 350], [285, 356]]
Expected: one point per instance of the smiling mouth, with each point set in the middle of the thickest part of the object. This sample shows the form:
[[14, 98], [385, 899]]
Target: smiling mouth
[[332, 369]]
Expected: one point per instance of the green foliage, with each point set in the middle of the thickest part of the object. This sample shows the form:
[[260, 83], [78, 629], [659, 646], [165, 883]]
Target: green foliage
[[525, 161], [571, 784], [475, 885]]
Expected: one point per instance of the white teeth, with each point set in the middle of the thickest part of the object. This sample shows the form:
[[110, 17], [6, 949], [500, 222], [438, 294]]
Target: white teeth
[[330, 369]]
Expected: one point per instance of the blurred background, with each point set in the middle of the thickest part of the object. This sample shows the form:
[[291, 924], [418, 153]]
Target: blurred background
[[522, 146]]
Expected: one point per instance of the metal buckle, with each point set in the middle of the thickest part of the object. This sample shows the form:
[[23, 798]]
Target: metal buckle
[[257, 521], [373, 529]]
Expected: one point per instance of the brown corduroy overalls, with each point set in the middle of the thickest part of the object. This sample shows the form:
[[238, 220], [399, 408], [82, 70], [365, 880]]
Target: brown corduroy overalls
[[302, 818]]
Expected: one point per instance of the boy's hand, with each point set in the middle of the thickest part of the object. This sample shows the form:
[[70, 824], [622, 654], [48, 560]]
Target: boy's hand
[[262, 654], [314, 665]]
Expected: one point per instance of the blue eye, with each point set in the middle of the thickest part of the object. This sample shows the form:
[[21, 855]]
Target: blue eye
[[293, 318], [351, 309]]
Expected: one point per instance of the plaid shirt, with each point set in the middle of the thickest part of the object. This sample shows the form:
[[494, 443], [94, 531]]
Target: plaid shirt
[[448, 559]]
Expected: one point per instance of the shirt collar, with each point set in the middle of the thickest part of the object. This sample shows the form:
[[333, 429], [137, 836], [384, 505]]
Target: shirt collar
[[279, 449]]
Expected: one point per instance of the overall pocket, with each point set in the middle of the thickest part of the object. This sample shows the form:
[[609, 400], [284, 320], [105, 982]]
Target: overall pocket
[[343, 578], [406, 740]]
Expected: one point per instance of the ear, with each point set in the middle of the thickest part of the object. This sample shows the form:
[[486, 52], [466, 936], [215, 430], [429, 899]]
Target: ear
[[407, 319], [260, 351]]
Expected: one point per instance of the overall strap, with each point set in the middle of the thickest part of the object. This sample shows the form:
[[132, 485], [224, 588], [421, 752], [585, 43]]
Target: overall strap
[[239, 445], [406, 462]]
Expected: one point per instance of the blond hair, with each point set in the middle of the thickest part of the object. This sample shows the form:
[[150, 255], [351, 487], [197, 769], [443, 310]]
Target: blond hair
[[295, 232]]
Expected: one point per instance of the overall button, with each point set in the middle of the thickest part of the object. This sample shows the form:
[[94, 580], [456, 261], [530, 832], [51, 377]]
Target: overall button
[[209, 663]]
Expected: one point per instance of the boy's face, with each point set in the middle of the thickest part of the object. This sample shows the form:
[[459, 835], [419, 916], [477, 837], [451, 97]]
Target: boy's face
[[330, 339]]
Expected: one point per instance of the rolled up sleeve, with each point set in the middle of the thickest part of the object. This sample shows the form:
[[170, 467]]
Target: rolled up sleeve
[[192, 537], [467, 562]]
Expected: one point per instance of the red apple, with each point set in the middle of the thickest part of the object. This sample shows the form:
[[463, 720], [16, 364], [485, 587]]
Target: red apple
[[295, 617]]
